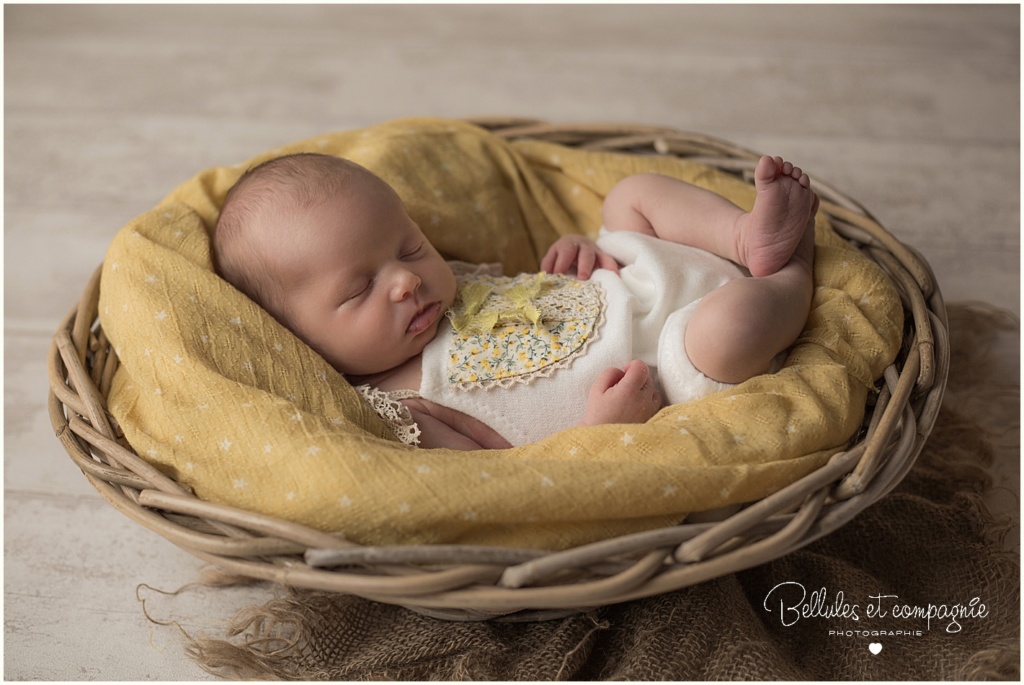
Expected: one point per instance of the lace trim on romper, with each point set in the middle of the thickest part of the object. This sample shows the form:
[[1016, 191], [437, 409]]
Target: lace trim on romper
[[389, 408]]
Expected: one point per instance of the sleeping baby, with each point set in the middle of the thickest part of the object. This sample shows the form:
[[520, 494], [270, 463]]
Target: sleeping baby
[[682, 294]]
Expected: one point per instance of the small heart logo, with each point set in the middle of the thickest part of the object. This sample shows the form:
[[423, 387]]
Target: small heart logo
[[875, 648]]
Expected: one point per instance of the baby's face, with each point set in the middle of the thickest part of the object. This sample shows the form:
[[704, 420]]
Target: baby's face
[[368, 291]]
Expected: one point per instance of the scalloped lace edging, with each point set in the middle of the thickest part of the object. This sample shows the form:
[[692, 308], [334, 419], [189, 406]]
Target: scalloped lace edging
[[396, 415]]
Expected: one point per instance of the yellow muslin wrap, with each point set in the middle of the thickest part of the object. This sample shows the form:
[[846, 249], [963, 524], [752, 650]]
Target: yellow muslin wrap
[[221, 397]]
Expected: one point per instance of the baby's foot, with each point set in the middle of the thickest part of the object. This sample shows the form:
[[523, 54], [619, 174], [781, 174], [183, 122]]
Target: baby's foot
[[771, 232]]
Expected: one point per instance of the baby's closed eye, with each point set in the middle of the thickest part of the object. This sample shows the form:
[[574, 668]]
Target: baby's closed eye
[[357, 291], [414, 252]]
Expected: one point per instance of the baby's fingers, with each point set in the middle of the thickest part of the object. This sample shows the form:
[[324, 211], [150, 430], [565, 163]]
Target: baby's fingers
[[560, 257], [606, 261], [637, 375], [549, 260], [639, 381], [585, 261], [607, 379]]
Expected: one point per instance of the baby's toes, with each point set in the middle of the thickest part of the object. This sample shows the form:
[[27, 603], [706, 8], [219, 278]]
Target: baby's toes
[[767, 169], [800, 177]]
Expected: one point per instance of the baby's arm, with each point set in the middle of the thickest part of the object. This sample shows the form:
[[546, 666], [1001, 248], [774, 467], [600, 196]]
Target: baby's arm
[[626, 395], [445, 427]]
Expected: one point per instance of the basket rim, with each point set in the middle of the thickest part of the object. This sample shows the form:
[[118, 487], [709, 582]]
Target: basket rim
[[459, 582]]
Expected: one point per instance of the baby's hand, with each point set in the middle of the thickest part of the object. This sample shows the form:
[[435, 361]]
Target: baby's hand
[[580, 251], [624, 395]]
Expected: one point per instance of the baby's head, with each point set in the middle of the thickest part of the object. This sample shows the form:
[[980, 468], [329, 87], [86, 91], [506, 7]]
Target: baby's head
[[328, 249]]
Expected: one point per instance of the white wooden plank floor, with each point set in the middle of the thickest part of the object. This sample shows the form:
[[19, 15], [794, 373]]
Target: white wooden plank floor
[[913, 110]]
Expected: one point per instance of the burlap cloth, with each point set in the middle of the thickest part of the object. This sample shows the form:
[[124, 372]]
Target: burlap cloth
[[932, 542]]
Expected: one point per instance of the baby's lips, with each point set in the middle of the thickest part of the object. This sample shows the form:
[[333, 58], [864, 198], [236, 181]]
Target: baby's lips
[[424, 318]]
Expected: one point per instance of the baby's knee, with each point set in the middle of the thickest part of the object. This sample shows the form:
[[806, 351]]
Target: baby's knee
[[623, 205]]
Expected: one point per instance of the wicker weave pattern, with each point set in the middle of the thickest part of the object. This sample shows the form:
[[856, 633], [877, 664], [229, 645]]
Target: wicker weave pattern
[[473, 583]]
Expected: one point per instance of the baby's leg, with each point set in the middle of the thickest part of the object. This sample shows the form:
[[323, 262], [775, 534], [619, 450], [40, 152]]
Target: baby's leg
[[738, 329], [761, 240]]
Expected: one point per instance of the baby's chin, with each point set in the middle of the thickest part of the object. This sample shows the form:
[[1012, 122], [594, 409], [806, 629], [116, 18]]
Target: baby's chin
[[375, 372]]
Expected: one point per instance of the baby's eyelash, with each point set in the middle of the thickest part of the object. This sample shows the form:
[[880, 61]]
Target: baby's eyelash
[[414, 251], [362, 291]]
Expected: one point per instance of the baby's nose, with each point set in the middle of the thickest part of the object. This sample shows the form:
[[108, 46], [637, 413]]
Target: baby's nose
[[404, 284]]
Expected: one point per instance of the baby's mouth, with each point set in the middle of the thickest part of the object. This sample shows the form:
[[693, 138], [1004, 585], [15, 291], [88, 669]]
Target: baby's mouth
[[424, 318]]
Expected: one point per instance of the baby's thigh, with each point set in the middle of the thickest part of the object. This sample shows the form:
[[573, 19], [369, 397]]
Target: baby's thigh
[[680, 377]]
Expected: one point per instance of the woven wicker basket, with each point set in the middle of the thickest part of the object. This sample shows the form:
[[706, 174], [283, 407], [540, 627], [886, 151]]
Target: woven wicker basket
[[473, 583]]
